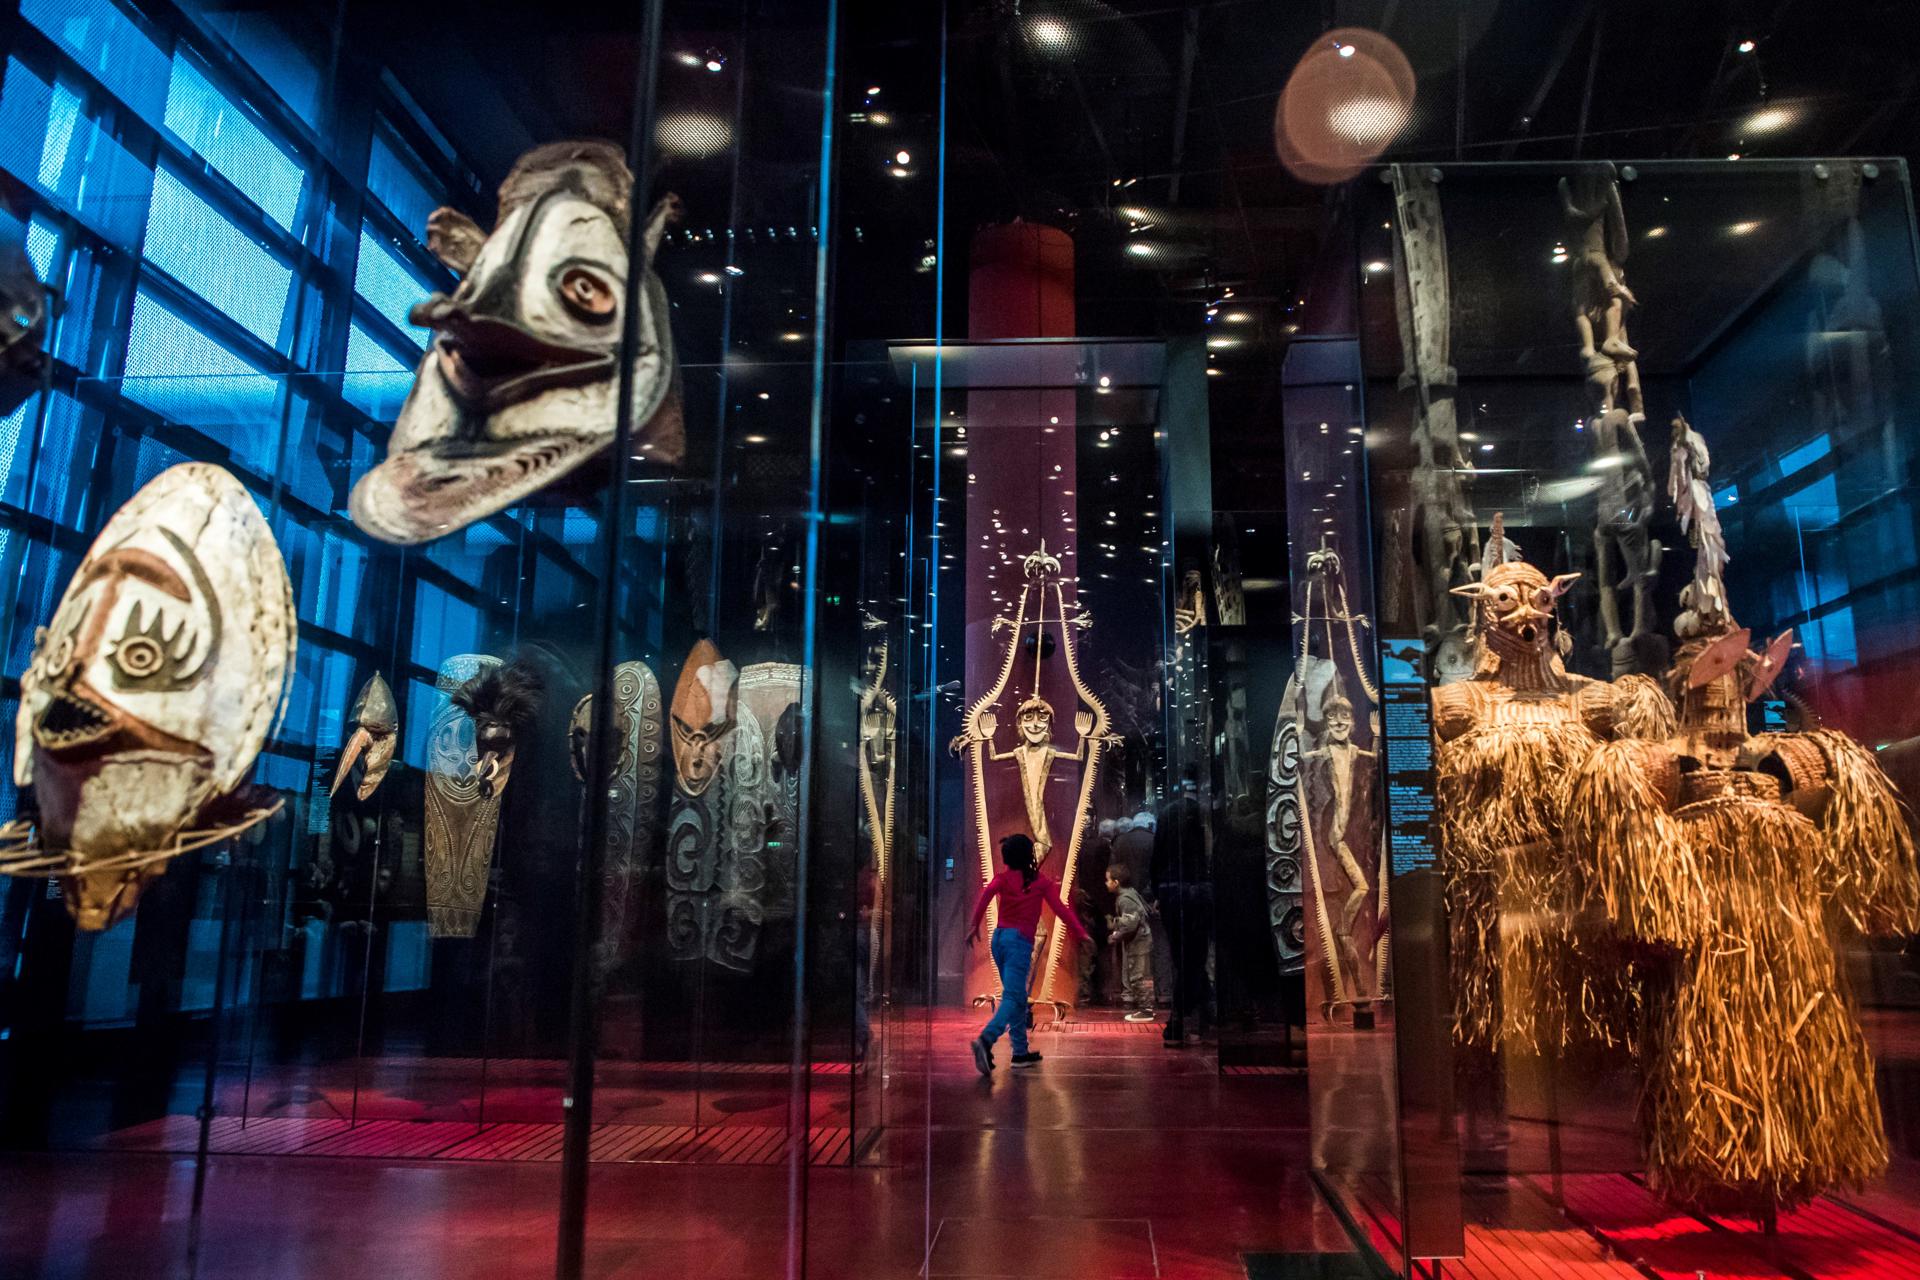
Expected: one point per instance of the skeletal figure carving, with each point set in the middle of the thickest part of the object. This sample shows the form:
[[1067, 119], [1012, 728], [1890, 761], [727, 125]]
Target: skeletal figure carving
[[1441, 537]]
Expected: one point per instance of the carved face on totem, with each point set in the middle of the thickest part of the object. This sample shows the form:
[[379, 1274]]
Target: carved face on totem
[[1517, 603], [375, 721], [153, 688], [521, 382], [1035, 722], [705, 699]]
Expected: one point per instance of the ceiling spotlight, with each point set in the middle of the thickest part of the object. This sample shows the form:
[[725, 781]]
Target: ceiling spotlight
[[1654, 233], [1746, 46], [766, 395], [1236, 317], [879, 117], [707, 277], [716, 60], [873, 91], [902, 157], [1220, 344], [1743, 228], [791, 336], [1105, 381], [1733, 155], [1141, 249], [688, 59], [754, 439], [1768, 120], [1486, 448], [1375, 267], [734, 271], [1345, 50], [1051, 33], [897, 172]]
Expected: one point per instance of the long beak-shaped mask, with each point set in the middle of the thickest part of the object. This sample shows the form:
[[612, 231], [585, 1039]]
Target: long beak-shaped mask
[[375, 733]]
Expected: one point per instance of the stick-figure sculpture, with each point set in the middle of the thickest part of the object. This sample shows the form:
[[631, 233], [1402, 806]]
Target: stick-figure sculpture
[[1034, 753]]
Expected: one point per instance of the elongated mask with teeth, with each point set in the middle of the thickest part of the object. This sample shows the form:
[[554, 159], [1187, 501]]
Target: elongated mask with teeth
[[154, 687], [375, 722], [521, 383]]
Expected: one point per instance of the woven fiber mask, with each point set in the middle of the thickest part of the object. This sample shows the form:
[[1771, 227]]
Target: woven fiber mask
[[376, 732], [520, 385], [153, 689]]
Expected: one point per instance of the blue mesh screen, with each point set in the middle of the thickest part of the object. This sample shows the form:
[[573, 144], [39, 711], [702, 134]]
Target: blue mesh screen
[[43, 577], [43, 240], [105, 41], [48, 142], [208, 254], [442, 625], [67, 440], [394, 178], [179, 372], [383, 279], [376, 380], [13, 454], [287, 68], [223, 135]]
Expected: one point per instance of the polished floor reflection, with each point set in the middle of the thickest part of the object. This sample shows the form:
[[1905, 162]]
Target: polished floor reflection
[[1118, 1157]]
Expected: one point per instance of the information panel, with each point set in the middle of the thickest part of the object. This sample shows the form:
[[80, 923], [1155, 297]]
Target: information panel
[[1408, 734]]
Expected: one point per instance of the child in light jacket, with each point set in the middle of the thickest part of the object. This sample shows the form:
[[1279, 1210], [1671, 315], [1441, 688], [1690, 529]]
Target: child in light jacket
[[1131, 932]]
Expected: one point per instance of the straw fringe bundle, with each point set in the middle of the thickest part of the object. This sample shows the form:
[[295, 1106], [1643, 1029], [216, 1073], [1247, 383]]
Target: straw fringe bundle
[[1509, 889], [1867, 869], [1641, 709], [1641, 877], [1761, 1092]]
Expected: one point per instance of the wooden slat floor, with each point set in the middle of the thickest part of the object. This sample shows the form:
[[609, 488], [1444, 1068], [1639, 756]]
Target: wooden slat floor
[[744, 1144]]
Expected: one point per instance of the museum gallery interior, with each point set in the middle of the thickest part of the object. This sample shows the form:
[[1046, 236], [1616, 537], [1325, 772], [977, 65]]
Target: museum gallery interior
[[590, 592]]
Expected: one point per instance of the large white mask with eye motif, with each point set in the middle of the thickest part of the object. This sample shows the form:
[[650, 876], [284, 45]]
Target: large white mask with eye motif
[[153, 688]]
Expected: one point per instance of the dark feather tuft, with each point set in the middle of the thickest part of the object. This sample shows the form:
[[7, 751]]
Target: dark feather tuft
[[510, 694]]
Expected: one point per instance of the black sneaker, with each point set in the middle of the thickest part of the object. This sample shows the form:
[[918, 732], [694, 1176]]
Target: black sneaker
[[983, 1056], [1026, 1059]]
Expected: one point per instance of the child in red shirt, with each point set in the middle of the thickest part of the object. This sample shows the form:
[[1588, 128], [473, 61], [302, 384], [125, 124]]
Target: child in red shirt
[[1022, 890]]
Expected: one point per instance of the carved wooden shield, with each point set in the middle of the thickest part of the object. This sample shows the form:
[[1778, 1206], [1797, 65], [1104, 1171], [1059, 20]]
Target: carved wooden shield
[[461, 818]]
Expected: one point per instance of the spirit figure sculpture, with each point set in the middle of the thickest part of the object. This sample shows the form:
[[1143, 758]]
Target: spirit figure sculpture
[[1034, 754]]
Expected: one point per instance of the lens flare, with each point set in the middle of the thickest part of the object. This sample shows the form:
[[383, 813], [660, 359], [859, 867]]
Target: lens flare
[[1350, 95]]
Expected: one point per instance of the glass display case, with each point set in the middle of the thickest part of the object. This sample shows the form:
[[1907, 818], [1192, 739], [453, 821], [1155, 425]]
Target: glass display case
[[1637, 521], [454, 408]]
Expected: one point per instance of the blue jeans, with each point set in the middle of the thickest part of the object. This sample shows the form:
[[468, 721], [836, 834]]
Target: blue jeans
[[1013, 957]]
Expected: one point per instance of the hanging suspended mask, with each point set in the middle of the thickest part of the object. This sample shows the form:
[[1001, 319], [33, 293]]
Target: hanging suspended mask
[[376, 732], [520, 385], [23, 314], [153, 689]]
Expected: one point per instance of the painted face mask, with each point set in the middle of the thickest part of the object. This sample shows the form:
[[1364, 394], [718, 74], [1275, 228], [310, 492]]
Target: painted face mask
[[376, 731], [23, 314], [521, 383], [153, 689], [702, 715]]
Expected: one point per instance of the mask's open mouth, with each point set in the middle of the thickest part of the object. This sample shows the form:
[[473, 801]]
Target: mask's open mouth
[[70, 722], [490, 364]]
